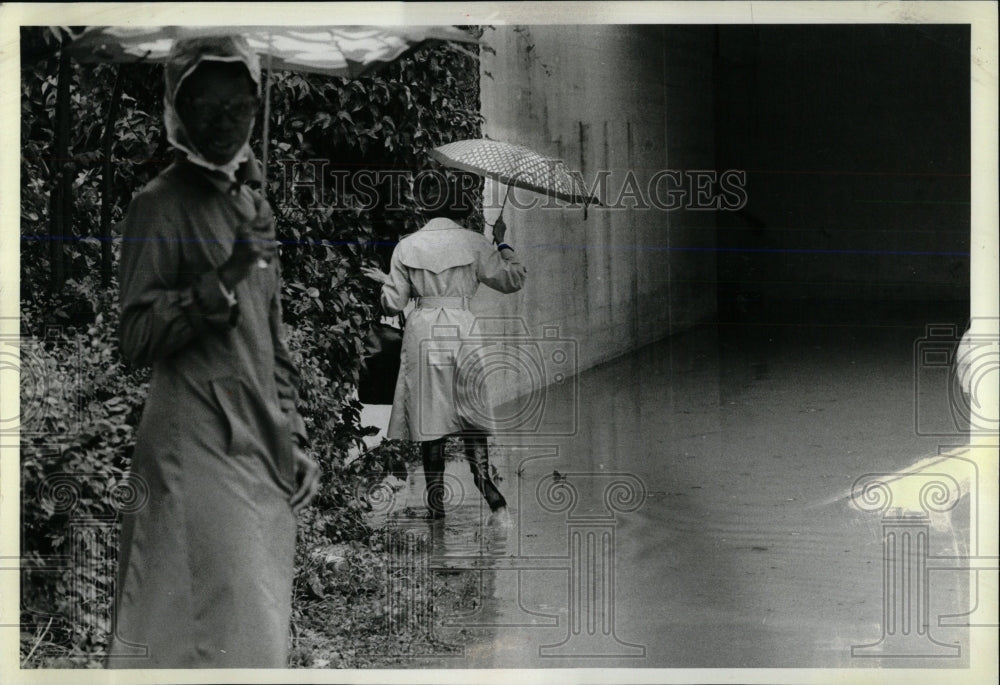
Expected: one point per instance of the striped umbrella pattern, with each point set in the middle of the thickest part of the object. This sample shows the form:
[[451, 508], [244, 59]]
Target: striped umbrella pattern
[[348, 51]]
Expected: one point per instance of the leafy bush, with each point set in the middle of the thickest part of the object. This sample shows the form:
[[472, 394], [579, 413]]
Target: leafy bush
[[81, 403], [79, 406], [386, 605]]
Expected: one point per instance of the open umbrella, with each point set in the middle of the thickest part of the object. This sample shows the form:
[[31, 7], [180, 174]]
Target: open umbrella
[[515, 166], [349, 51], [346, 51], [332, 50]]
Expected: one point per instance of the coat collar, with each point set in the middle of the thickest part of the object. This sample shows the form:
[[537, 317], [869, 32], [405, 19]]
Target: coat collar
[[215, 178], [247, 172], [440, 223]]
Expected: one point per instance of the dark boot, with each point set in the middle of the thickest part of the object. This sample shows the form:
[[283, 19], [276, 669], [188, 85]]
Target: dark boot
[[477, 452], [433, 453]]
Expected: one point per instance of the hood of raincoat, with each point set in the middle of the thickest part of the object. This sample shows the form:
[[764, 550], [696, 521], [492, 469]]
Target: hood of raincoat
[[185, 56]]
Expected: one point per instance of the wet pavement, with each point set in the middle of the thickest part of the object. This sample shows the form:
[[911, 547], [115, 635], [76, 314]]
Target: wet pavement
[[700, 514]]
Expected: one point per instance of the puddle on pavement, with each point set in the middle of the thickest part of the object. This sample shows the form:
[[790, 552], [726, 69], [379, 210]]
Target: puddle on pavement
[[688, 521]]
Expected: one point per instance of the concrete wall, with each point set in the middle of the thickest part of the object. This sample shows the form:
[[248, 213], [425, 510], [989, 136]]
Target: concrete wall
[[856, 141], [615, 98]]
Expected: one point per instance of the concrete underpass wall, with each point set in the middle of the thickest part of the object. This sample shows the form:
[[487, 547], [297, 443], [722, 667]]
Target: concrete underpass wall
[[614, 98], [856, 142]]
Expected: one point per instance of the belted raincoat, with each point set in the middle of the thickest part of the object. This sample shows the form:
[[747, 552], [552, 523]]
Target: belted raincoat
[[441, 386], [206, 562]]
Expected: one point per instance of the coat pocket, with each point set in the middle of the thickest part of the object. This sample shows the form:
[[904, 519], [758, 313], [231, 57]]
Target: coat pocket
[[234, 401], [254, 430]]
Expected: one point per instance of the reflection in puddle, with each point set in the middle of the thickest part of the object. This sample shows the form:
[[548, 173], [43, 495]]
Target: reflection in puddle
[[683, 524]]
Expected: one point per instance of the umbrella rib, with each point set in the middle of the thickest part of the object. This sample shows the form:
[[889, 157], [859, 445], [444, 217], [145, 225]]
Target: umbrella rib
[[376, 45], [573, 193], [265, 132]]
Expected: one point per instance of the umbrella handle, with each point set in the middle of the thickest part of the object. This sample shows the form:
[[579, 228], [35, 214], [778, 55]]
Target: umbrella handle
[[265, 134], [500, 215], [265, 128]]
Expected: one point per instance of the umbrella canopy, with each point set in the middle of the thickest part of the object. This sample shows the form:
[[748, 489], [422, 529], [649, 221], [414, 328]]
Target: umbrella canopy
[[514, 165], [332, 50], [347, 51]]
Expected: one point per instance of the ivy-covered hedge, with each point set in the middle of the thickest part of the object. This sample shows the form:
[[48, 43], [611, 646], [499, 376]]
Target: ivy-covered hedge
[[80, 402]]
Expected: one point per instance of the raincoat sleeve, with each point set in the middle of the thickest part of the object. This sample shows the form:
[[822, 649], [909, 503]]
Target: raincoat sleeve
[[396, 293], [501, 271], [286, 376], [163, 308]]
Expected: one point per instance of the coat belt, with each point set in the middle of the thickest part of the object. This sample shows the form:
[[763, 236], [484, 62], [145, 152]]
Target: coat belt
[[443, 302]]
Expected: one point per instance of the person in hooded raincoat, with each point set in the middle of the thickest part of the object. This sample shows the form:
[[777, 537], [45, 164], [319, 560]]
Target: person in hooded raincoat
[[440, 389], [206, 558]]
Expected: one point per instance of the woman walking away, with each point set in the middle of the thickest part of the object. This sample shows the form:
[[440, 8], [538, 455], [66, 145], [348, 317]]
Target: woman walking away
[[437, 391]]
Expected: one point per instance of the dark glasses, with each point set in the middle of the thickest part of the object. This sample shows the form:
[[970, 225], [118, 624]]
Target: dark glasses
[[240, 108]]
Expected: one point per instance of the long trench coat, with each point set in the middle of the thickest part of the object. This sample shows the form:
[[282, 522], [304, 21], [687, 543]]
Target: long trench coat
[[206, 565], [440, 389]]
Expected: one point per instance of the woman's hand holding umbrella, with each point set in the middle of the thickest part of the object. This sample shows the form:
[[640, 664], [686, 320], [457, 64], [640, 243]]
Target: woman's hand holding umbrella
[[262, 228], [254, 245], [499, 230]]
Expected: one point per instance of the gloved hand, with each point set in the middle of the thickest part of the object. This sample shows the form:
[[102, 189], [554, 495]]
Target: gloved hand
[[499, 230], [254, 244]]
